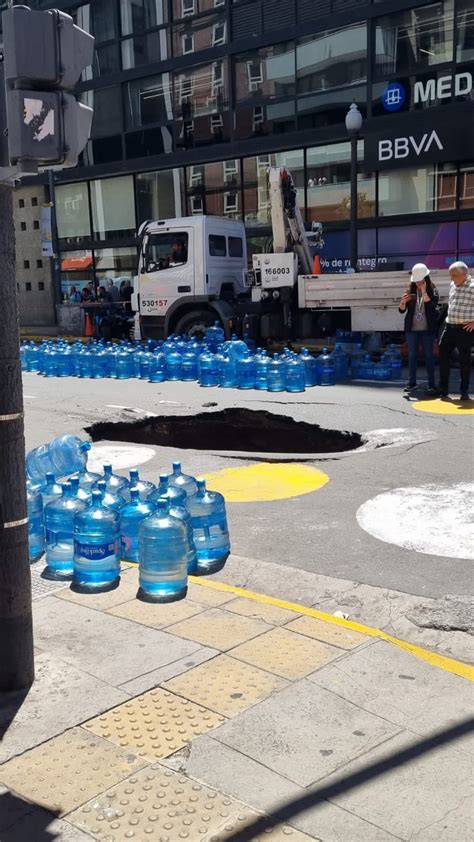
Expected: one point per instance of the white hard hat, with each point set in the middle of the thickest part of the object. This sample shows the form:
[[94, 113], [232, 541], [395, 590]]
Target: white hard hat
[[419, 272]]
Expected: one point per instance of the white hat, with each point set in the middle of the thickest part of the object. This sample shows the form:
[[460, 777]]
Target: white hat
[[419, 272]]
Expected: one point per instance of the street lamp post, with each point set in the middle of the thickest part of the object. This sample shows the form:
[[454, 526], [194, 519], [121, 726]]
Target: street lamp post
[[353, 126]]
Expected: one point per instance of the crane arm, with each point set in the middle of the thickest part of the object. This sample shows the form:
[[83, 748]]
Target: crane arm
[[289, 233]]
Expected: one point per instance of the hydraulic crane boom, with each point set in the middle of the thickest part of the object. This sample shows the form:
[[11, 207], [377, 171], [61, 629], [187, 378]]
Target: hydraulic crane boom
[[289, 233]]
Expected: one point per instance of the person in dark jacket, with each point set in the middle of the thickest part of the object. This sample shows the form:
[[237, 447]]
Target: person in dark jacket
[[419, 302]]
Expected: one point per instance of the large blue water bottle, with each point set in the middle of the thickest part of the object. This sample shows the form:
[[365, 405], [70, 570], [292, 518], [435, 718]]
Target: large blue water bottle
[[59, 534], [261, 371], [295, 377], [190, 366], [50, 489], [383, 369], [78, 492], [173, 365], [395, 358], [35, 524], [275, 375], [156, 367], [210, 530], [185, 482], [310, 368], [177, 500], [96, 547], [226, 372], [87, 479], [366, 368], [341, 363], [163, 573], [113, 482], [326, 369], [124, 366], [63, 456], [110, 498], [357, 357], [64, 362], [131, 517], [208, 369], [143, 486], [246, 371], [215, 336]]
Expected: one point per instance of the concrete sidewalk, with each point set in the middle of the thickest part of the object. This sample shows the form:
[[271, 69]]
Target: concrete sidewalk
[[230, 716]]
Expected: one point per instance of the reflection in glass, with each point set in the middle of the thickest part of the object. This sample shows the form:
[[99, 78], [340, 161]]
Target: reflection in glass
[[417, 190], [328, 187], [140, 15], [332, 59], [415, 38], [258, 120], [465, 31], [103, 19], [466, 190], [145, 49], [159, 195], [327, 109], [113, 208], [116, 258], [255, 180], [266, 73], [199, 34], [72, 212], [148, 101]]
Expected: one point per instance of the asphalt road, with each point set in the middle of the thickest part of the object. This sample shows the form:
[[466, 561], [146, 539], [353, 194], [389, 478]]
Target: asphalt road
[[317, 532]]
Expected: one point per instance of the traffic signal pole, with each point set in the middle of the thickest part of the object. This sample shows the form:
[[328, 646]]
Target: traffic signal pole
[[16, 626]]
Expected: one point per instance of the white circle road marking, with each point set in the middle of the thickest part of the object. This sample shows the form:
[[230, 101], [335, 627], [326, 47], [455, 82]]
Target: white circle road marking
[[120, 457], [431, 519]]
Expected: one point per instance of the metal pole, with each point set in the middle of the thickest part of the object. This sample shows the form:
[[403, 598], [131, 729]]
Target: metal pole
[[353, 227], [16, 628], [54, 233]]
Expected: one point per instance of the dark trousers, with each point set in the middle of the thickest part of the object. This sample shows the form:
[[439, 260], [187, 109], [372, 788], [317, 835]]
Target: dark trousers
[[454, 336], [413, 341]]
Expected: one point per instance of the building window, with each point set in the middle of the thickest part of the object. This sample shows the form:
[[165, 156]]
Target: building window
[[187, 43], [188, 7], [36, 225], [26, 264], [197, 205], [140, 15], [333, 59], [41, 286], [217, 76], [258, 117], [465, 31], [231, 203], [103, 19], [196, 175], [145, 49], [186, 86], [21, 203], [219, 3], [254, 75], [216, 123], [72, 211], [39, 264], [34, 202], [231, 170], [217, 245], [269, 72], [328, 171], [417, 190], [113, 208], [159, 195], [466, 190], [414, 39], [28, 286], [22, 226], [148, 101], [219, 34]]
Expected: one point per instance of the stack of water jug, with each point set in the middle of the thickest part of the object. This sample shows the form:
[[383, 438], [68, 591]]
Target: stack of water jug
[[89, 523], [212, 362]]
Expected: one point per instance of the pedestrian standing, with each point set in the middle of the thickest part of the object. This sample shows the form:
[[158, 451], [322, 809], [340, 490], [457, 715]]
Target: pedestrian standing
[[458, 331], [419, 302]]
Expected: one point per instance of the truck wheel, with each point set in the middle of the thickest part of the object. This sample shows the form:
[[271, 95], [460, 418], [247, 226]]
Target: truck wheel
[[195, 323]]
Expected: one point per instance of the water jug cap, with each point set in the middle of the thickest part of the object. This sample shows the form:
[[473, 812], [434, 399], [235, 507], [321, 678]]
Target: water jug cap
[[201, 484], [134, 493], [50, 478], [101, 485], [107, 470], [162, 506], [133, 473], [85, 446], [74, 482], [176, 467], [96, 498], [164, 480], [66, 489]]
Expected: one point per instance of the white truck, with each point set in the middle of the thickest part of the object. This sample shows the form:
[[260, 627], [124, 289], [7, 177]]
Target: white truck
[[193, 271]]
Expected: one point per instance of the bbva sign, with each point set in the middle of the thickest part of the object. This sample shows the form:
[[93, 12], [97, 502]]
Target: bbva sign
[[404, 147]]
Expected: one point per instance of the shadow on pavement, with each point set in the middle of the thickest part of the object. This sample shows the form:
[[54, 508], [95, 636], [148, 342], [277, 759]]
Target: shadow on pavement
[[10, 704], [286, 812], [21, 821]]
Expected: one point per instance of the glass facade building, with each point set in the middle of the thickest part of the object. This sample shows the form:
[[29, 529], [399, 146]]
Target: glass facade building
[[195, 99]]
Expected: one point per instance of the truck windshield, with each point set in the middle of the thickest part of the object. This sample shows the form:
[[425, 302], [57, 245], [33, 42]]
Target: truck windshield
[[163, 251]]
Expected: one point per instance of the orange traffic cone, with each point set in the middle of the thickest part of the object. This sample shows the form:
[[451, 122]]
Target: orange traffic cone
[[89, 328], [316, 265]]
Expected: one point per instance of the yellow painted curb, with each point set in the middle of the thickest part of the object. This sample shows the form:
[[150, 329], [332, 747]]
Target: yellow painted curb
[[446, 407], [439, 661], [265, 482]]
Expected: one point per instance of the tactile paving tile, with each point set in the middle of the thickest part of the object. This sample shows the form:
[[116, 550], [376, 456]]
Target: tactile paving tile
[[286, 653], [155, 724], [219, 629], [163, 806], [328, 632], [157, 615], [274, 832], [225, 685], [207, 596], [66, 771], [43, 587], [272, 614]]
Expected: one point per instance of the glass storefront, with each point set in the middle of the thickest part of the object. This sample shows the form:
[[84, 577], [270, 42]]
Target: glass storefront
[[113, 208]]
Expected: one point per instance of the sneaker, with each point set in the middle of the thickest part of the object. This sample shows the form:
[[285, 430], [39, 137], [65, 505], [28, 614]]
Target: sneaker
[[465, 396], [433, 392], [409, 387]]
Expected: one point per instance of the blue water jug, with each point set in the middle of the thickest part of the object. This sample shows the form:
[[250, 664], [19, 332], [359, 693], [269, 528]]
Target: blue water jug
[[59, 534], [78, 492], [326, 369], [177, 500], [124, 366], [310, 368], [382, 370], [341, 363], [163, 574], [156, 367], [366, 368], [175, 494], [65, 362], [32, 357], [295, 376], [113, 482], [145, 361], [190, 366], [261, 371], [24, 356], [87, 479], [35, 524], [226, 372], [100, 364], [63, 456], [85, 364], [357, 358], [246, 371], [110, 497], [76, 352], [210, 530], [214, 337], [173, 365], [143, 486], [50, 362], [395, 358], [131, 517], [184, 482], [96, 547], [275, 375], [208, 369], [50, 489]]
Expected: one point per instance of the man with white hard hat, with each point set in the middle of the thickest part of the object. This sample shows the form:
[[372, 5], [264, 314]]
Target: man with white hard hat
[[458, 331]]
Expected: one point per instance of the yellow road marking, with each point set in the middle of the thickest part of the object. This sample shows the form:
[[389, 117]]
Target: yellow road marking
[[440, 661], [264, 482], [446, 407]]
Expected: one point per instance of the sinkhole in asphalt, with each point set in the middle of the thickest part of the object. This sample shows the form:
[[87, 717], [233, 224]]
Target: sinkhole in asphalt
[[239, 430]]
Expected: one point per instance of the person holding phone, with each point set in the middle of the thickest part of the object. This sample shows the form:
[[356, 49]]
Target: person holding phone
[[419, 303]]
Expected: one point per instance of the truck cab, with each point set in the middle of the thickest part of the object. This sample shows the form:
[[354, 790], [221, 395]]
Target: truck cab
[[189, 271]]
